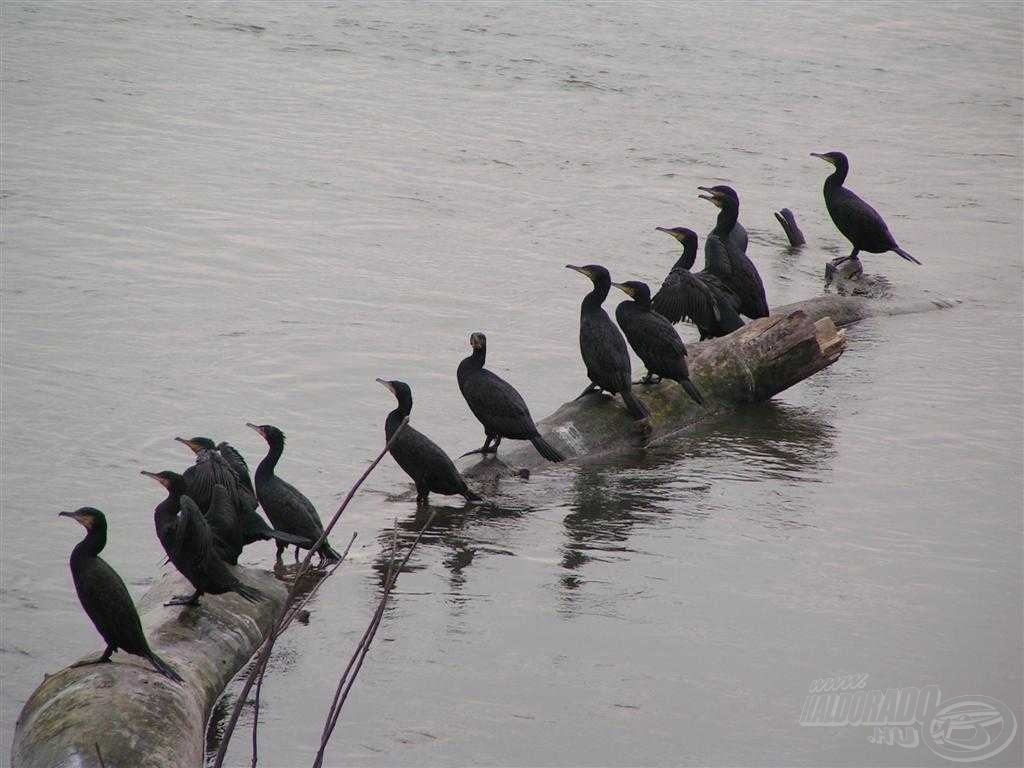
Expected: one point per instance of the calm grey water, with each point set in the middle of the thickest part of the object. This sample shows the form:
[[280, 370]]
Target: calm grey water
[[220, 213]]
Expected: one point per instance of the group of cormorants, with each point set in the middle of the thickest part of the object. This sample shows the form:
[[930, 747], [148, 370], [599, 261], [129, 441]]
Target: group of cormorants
[[210, 514]]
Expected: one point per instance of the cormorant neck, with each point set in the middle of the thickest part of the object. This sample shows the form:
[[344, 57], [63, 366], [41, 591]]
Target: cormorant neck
[[688, 258], [838, 176], [93, 543], [596, 297], [727, 217], [266, 467]]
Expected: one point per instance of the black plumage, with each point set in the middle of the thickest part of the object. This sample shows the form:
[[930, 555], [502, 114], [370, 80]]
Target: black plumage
[[653, 338], [858, 222], [189, 543], [105, 597], [288, 509], [421, 458], [497, 404], [703, 297], [223, 465], [602, 346], [738, 271]]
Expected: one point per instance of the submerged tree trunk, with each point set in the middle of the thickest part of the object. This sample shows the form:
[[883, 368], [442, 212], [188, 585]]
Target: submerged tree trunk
[[130, 714], [749, 365]]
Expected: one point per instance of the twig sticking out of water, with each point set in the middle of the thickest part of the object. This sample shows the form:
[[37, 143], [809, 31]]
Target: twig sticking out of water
[[356, 662], [291, 611]]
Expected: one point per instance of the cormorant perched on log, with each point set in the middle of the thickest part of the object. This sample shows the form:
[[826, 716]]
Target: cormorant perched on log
[[227, 468], [189, 543], [497, 405], [105, 598], [602, 346], [422, 459], [742, 276], [703, 297], [653, 338], [289, 511], [859, 223]]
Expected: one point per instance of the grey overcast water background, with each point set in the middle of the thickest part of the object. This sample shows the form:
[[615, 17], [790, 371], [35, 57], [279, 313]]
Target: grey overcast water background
[[226, 212]]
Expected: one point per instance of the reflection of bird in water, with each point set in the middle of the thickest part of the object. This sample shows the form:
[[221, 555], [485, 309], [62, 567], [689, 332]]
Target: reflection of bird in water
[[858, 222], [105, 597], [288, 509], [188, 541], [653, 338], [223, 465], [602, 346], [497, 404], [421, 458], [732, 265], [702, 297]]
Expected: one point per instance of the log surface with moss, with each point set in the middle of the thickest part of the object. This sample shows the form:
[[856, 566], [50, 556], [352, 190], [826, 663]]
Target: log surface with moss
[[128, 713]]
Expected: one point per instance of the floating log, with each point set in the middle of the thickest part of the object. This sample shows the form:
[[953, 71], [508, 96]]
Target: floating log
[[131, 715], [750, 365]]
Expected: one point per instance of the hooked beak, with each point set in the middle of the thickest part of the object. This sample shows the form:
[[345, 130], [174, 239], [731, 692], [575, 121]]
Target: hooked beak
[[85, 522], [711, 196], [386, 384], [189, 443], [68, 514], [667, 231], [156, 477], [624, 288], [822, 157], [574, 268], [250, 425]]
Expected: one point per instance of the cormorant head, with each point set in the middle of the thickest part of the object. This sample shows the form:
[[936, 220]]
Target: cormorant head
[[198, 444], [595, 272], [88, 517], [172, 481], [720, 195], [478, 341], [636, 290], [838, 159], [399, 389], [268, 432], [685, 236]]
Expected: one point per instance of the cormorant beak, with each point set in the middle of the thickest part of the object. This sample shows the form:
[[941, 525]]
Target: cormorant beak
[[711, 196], [156, 477], [581, 270], [189, 443], [387, 385], [84, 520], [668, 231], [827, 159], [624, 288], [250, 425]]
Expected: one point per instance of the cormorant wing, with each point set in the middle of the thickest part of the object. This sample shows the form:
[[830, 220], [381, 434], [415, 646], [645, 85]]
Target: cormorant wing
[[859, 222], [497, 404], [684, 294], [193, 539], [238, 465]]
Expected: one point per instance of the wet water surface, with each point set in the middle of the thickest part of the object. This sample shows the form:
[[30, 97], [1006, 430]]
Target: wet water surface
[[220, 213]]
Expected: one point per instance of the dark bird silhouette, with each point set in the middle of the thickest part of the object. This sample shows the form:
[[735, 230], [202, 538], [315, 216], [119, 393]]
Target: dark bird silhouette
[[703, 297], [288, 509], [859, 223], [105, 598], [602, 346], [497, 404], [189, 543], [227, 468], [653, 338], [737, 271], [420, 457]]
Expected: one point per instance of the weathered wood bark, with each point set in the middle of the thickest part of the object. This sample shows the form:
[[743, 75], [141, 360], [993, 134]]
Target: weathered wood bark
[[750, 365], [136, 717]]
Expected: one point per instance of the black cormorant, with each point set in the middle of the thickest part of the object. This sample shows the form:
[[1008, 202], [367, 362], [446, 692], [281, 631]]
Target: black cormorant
[[741, 275], [422, 459], [602, 346], [859, 222], [223, 465], [497, 404], [703, 297], [289, 511], [189, 543], [653, 338], [105, 598]]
